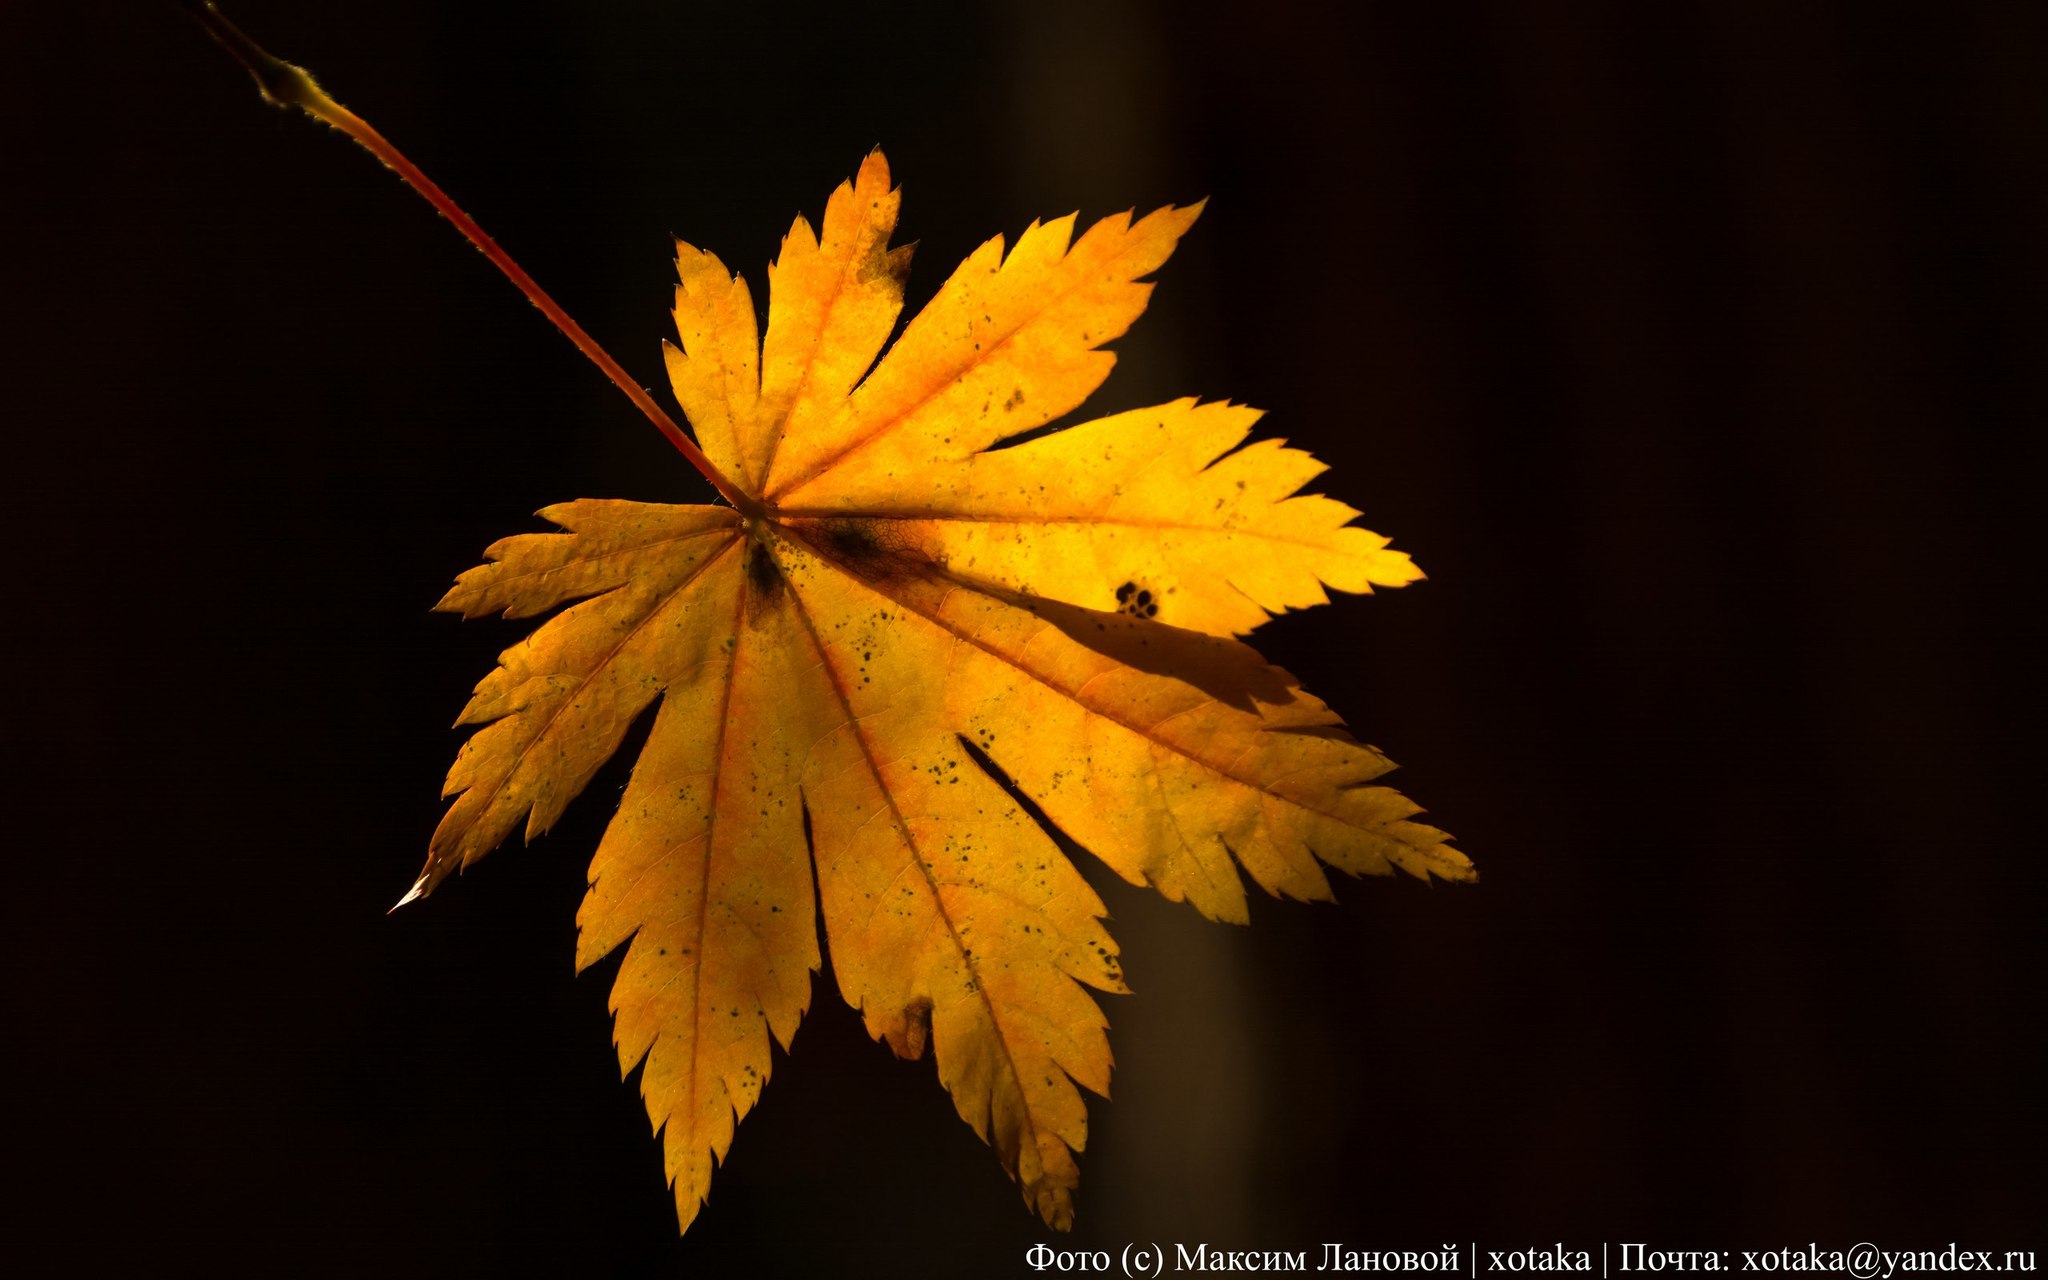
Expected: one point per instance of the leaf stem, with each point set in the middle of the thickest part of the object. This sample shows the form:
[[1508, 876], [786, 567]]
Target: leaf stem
[[284, 85]]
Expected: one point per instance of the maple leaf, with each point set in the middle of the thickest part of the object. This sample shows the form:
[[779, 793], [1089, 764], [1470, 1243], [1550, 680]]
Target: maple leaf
[[894, 601]]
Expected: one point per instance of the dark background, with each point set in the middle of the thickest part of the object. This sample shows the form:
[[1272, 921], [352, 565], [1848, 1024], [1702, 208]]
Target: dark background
[[1697, 351]]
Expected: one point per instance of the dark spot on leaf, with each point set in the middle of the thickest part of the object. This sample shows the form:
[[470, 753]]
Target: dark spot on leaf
[[848, 539], [868, 549], [917, 1028], [762, 573]]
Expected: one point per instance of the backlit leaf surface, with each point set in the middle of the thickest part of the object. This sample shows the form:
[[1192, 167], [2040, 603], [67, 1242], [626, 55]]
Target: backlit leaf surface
[[827, 678]]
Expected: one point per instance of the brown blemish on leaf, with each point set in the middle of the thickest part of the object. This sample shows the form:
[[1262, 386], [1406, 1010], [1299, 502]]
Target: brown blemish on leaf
[[914, 1030], [762, 575], [874, 550]]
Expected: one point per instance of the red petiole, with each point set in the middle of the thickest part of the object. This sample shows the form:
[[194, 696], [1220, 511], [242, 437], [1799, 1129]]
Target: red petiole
[[285, 85]]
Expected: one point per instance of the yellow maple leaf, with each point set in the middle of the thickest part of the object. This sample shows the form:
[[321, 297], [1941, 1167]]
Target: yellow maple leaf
[[894, 601]]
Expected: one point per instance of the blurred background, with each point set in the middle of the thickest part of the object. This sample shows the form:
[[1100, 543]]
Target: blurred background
[[1697, 351]]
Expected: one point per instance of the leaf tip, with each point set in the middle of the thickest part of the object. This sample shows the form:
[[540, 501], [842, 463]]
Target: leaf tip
[[418, 891]]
